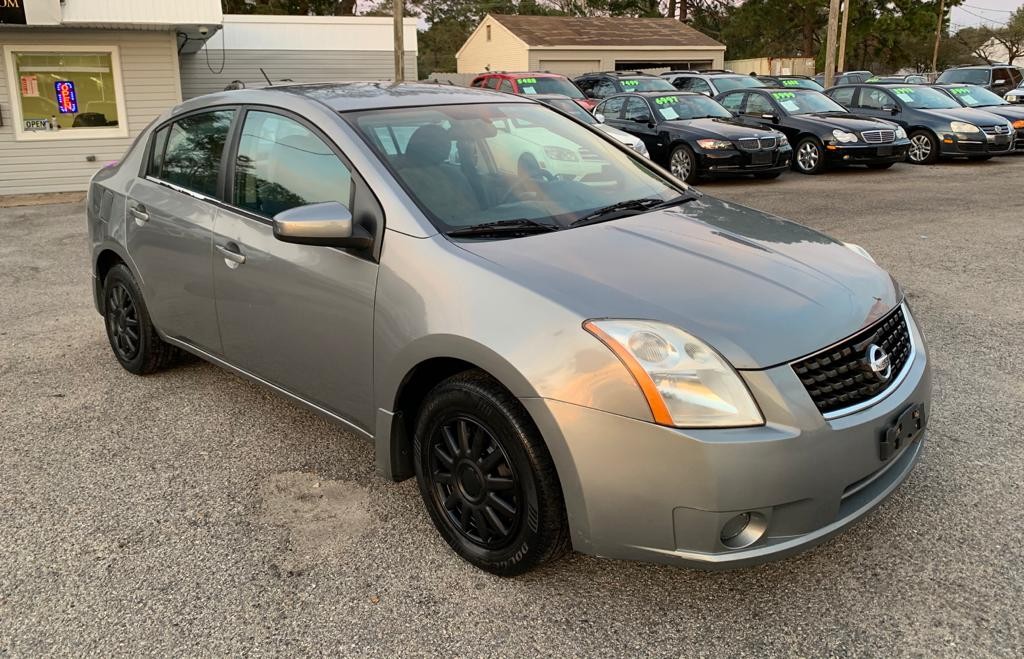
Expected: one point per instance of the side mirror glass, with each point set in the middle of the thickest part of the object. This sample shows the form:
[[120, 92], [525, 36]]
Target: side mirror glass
[[770, 117], [328, 224], [642, 119], [599, 117]]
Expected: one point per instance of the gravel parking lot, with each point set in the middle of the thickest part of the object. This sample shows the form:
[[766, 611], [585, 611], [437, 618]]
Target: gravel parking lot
[[191, 512]]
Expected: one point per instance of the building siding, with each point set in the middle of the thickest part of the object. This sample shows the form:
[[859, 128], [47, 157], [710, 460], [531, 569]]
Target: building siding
[[504, 52], [201, 76], [150, 79]]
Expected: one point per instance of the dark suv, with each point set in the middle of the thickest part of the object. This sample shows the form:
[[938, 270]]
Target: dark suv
[[603, 84], [710, 83], [998, 78]]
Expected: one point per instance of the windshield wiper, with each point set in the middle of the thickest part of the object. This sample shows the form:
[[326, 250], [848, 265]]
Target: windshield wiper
[[521, 226], [631, 207]]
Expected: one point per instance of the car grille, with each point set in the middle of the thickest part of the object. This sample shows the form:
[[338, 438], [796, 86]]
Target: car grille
[[879, 136], [589, 156], [757, 144], [996, 130], [839, 376]]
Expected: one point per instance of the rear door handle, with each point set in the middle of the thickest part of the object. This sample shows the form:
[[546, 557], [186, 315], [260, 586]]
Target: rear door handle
[[232, 256], [138, 211]]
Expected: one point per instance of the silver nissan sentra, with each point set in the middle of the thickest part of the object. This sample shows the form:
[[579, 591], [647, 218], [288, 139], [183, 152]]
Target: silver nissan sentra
[[566, 346]]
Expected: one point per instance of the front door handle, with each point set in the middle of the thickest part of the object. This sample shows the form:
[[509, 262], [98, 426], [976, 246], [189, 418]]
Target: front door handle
[[138, 211], [232, 256]]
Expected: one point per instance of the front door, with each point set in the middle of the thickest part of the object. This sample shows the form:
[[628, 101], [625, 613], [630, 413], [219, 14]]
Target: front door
[[297, 316], [169, 226]]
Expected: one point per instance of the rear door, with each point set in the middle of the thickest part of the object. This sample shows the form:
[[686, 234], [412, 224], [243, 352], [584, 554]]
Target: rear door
[[169, 228], [297, 316]]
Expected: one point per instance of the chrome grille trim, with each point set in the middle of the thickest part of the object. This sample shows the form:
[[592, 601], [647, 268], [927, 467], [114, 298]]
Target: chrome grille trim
[[879, 136]]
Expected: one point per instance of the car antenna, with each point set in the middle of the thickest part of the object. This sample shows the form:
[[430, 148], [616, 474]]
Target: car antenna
[[266, 77]]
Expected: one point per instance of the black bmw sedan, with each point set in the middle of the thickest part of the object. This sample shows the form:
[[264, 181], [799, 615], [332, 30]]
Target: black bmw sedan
[[693, 136], [822, 132]]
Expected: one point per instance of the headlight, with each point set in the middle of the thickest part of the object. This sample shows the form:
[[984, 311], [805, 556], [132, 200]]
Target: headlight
[[860, 251], [559, 153], [783, 140], [714, 145], [900, 133], [641, 148], [686, 383], [1013, 98], [843, 136], [963, 127], [1019, 123]]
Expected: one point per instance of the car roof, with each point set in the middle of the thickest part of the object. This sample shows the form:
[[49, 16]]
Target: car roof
[[663, 92], [348, 96], [520, 74]]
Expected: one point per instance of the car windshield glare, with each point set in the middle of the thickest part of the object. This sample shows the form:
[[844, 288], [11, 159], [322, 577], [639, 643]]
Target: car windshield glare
[[974, 96], [728, 83], [802, 83], [688, 107], [924, 98], [466, 165], [805, 102], [647, 85], [573, 109], [529, 85], [971, 76]]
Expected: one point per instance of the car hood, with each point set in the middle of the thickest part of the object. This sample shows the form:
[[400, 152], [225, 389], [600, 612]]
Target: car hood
[[726, 129], [618, 135], [760, 289], [848, 122], [1011, 112], [977, 117]]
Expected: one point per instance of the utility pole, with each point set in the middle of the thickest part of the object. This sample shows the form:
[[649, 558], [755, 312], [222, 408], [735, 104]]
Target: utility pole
[[938, 35], [842, 36], [830, 52], [399, 41]]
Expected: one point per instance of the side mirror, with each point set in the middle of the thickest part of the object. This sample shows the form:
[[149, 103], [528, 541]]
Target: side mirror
[[1001, 81], [599, 117], [328, 224], [643, 119], [892, 109], [769, 116]]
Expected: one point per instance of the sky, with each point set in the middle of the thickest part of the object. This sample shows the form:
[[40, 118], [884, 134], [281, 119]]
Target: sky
[[983, 12]]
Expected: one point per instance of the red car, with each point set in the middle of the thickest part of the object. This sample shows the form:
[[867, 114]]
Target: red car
[[531, 82]]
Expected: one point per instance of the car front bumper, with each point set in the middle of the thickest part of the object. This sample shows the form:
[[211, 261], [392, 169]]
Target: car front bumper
[[989, 145], [636, 490], [837, 153], [736, 161]]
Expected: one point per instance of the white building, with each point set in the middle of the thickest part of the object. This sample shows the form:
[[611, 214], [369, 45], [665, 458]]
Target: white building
[[79, 79]]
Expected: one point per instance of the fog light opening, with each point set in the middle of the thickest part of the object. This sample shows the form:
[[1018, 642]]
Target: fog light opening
[[743, 530]]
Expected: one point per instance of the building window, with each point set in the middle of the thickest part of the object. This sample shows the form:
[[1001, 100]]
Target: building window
[[488, 30], [66, 92]]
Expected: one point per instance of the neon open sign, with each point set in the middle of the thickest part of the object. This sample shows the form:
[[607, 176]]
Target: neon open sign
[[67, 102]]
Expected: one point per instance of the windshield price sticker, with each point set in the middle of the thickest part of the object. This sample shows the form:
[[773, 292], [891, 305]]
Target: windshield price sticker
[[630, 83], [783, 96], [666, 100], [790, 106], [529, 90], [527, 81], [668, 113], [790, 83], [961, 91]]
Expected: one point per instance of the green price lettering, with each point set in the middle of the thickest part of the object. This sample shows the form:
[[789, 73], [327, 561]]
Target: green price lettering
[[903, 90], [630, 83], [527, 81], [961, 91], [790, 83], [783, 96], [666, 100]]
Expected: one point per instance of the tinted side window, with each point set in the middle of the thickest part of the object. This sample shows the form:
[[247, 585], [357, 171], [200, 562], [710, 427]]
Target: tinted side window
[[506, 86], [604, 88], [637, 108], [758, 105], [281, 164], [156, 156], [195, 146], [612, 107], [732, 102], [700, 86], [875, 99], [843, 96], [1001, 74], [492, 82]]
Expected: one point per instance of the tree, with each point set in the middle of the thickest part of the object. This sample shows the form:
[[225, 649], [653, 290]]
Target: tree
[[291, 7]]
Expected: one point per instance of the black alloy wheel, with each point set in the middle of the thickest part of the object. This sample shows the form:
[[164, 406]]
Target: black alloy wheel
[[123, 322], [133, 338]]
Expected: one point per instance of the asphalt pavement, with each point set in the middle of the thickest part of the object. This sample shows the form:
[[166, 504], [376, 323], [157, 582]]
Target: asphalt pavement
[[192, 512]]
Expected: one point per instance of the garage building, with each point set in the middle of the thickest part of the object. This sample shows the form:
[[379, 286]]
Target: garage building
[[572, 45]]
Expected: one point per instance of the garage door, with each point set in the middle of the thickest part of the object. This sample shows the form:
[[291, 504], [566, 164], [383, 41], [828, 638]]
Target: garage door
[[570, 67]]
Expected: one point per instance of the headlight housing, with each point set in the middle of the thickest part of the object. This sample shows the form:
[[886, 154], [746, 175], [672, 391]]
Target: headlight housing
[[1019, 123], [686, 383], [783, 140], [843, 136], [900, 133], [1013, 98], [714, 145], [860, 251], [641, 148], [560, 153], [963, 127]]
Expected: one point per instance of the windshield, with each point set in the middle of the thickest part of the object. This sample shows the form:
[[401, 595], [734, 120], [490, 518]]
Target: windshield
[[972, 76], [571, 108], [465, 165], [530, 86], [728, 83], [974, 96], [800, 83], [805, 102], [647, 85], [696, 106], [924, 98]]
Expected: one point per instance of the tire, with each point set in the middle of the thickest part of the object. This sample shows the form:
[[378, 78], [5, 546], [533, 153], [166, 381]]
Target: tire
[[809, 157], [880, 165], [767, 176], [683, 163], [132, 336], [924, 148], [486, 477]]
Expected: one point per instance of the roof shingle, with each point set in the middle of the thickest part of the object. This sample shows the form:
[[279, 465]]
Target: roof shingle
[[603, 31]]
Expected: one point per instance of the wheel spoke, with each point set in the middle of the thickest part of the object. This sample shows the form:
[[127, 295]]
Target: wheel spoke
[[494, 501], [443, 477], [482, 527], [451, 500], [448, 460], [490, 461], [495, 522], [496, 483], [477, 439], [464, 432], [449, 438], [464, 516]]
